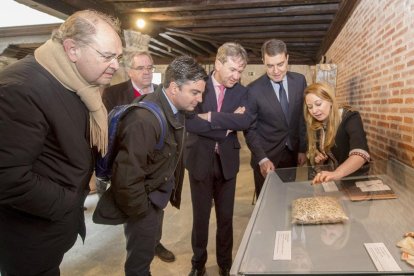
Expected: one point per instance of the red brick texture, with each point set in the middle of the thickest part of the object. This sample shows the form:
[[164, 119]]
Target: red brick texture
[[375, 57]]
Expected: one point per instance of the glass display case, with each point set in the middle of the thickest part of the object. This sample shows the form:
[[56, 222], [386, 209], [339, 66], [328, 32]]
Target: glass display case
[[379, 218]]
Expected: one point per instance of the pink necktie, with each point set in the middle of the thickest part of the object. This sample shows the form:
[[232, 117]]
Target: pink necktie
[[220, 97]]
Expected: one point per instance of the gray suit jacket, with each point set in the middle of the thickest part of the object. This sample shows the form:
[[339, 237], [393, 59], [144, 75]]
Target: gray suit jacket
[[268, 134]]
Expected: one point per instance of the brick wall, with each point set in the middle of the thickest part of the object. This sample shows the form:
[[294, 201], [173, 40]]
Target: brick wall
[[375, 57]]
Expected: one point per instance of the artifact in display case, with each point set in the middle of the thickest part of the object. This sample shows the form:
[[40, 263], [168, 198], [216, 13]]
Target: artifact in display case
[[367, 188], [407, 248], [317, 210]]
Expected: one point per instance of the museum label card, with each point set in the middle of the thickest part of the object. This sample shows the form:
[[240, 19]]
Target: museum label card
[[372, 186], [329, 186], [381, 257], [283, 246]]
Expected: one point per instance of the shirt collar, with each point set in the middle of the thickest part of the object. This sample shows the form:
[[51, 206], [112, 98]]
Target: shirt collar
[[214, 81], [139, 89], [284, 81], [174, 109]]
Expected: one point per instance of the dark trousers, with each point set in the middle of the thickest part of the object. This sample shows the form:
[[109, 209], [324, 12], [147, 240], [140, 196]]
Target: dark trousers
[[101, 187], [202, 193], [159, 232], [141, 234], [284, 159], [55, 271]]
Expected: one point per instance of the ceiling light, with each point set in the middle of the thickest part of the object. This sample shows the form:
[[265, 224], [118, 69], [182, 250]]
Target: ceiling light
[[140, 23]]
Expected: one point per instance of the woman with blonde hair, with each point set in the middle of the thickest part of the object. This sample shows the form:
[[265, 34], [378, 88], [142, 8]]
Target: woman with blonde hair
[[336, 135]]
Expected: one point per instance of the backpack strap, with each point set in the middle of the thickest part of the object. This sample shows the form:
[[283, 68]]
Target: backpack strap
[[159, 114], [119, 112], [103, 165]]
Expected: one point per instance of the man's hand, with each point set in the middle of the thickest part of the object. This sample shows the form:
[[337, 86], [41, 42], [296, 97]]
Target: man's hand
[[203, 116], [266, 167], [240, 110]]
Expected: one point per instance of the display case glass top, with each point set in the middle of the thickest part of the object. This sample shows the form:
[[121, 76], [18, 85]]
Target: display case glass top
[[376, 216]]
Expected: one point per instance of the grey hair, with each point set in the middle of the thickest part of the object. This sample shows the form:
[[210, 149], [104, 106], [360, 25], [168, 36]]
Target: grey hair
[[273, 47], [81, 26], [233, 50], [130, 53], [183, 69]]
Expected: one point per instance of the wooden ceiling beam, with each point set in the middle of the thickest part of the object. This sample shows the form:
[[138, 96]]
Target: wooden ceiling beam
[[69, 7], [169, 48], [43, 29], [243, 13], [151, 46], [198, 44], [179, 43], [279, 20], [56, 8], [196, 5], [278, 35], [253, 29], [288, 40], [154, 53], [201, 37]]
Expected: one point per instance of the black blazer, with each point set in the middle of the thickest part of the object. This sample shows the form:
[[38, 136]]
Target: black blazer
[[203, 135], [269, 131]]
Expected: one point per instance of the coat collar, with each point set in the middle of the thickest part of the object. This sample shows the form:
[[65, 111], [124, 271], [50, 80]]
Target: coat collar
[[176, 121]]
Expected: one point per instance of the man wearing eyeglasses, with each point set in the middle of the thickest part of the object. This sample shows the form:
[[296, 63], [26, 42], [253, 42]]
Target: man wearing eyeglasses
[[52, 122], [139, 67]]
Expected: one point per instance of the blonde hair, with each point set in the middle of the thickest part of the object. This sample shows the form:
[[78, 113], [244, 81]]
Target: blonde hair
[[313, 126]]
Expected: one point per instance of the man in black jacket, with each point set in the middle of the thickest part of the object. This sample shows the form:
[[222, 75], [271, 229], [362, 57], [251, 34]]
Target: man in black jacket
[[139, 66], [142, 176], [51, 114]]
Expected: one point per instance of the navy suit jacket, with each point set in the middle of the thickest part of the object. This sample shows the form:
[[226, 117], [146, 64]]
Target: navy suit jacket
[[269, 131], [203, 135]]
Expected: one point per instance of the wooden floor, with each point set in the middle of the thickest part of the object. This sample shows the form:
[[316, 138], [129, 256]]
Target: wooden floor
[[104, 250]]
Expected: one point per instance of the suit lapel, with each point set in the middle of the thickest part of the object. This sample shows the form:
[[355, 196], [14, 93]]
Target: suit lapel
[[227, 95], [270, 92], [291, 94], [210, 98]]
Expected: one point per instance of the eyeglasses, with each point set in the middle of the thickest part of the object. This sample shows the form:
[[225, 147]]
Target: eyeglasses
[[108, 58], [150, 68]]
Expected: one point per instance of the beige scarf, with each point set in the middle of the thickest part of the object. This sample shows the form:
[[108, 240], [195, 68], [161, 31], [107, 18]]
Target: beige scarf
[[53, 58]]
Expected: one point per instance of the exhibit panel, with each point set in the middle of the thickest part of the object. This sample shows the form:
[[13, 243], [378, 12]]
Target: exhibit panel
[[351, 226]]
